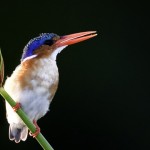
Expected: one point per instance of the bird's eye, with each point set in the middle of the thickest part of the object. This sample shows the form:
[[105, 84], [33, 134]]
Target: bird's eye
[[48, 42], [52, 40]]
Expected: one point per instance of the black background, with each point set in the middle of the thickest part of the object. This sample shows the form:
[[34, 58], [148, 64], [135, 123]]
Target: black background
[[103, 100]]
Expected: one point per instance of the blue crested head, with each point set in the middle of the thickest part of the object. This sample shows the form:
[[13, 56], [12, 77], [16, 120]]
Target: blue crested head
[[33, 44]]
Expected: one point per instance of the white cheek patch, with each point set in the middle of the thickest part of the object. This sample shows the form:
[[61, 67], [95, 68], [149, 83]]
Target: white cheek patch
[[30, 57], [58, 50]]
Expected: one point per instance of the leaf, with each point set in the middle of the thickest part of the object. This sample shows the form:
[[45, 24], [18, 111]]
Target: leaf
[[1, 69]]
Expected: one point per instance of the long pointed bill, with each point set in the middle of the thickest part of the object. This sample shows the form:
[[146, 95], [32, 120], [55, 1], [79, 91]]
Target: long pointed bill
[[75, 38]]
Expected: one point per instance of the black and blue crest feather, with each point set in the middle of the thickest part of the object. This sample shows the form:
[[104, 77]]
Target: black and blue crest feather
[[35, 43]]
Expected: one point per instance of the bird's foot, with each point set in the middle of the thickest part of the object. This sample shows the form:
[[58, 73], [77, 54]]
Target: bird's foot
[[34, 135], [17, 106]]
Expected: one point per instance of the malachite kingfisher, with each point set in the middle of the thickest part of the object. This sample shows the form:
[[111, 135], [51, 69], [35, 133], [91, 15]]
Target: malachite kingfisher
[[34, 82]]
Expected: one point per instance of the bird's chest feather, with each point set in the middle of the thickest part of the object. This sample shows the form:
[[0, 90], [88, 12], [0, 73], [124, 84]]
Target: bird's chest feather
[[34, 84]]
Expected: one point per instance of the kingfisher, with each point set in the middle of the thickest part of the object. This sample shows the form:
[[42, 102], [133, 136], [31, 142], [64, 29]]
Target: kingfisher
[[34, 81]]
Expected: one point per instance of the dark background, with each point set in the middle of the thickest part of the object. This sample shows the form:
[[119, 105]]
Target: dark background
[[103, 100]]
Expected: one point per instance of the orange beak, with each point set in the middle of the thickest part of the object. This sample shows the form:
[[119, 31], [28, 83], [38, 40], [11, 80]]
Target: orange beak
[[75, 38]]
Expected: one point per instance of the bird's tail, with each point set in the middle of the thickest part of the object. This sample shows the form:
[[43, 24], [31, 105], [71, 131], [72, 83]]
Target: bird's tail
[[18, 133]]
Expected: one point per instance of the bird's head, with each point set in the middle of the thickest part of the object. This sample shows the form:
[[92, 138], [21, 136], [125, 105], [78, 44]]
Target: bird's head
[[53, 43]]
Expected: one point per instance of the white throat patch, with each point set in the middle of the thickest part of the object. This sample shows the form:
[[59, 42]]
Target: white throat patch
[[58, 50]]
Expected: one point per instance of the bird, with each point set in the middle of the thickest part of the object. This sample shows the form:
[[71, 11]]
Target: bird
[[34, 81]]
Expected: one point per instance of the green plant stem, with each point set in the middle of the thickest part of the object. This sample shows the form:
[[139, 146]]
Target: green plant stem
[[40, 138]]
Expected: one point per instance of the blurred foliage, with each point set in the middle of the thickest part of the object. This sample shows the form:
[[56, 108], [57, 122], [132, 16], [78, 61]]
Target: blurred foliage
[[1, 69]]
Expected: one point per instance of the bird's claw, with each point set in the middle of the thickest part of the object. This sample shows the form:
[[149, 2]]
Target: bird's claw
[[16, 107], [37, 131]]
